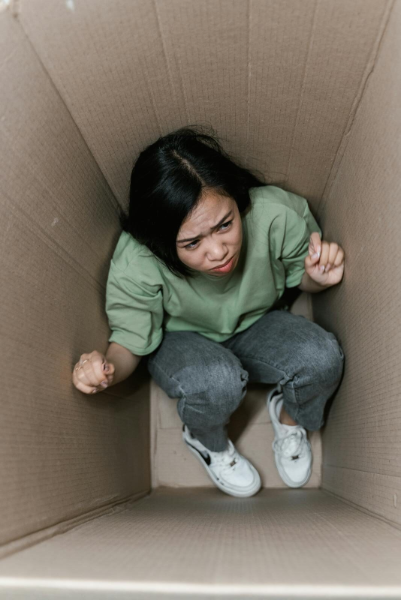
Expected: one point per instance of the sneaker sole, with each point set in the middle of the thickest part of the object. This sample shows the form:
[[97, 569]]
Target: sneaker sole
[[245, 494]]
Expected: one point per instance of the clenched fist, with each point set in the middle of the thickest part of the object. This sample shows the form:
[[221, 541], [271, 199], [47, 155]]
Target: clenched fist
[[92, 373], [325, 262]]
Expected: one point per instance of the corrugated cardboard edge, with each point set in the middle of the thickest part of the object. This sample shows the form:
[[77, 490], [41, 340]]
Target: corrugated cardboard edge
[[195, 591], [50, 532]]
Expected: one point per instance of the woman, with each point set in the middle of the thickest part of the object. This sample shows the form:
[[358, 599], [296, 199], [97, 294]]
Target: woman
[[206, 251]]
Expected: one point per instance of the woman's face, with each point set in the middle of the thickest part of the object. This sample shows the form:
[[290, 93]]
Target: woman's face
[[212, 234]]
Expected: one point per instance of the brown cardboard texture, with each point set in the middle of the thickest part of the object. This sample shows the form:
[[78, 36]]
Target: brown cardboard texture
[[99, 497]]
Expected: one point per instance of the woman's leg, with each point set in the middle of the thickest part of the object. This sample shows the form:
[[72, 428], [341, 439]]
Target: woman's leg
[[296, 353], [208, 380]]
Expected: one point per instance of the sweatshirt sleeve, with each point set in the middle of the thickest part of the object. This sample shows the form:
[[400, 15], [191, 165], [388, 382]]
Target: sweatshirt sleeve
[[296, 243], [135, 312]]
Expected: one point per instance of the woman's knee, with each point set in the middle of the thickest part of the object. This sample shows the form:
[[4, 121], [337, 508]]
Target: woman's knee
[[322, 360], [220, 386], [334, 359]]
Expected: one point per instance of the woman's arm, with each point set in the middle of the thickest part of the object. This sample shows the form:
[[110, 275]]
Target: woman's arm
[[123, 360]]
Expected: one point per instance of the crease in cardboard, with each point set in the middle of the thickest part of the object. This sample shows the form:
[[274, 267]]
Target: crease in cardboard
[[362, 509], [36, 537], [116, 204], [4, 61], [301, 95], [167, 64], [15, 8], [178, 67], [369, 69], [379, 502], [150, 92]]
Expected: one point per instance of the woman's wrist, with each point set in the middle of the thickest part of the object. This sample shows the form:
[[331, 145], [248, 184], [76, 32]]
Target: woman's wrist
[[123, 360], [308, 285]]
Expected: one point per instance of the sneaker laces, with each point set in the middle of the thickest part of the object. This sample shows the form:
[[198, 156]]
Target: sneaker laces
[[291, 445], [227, 458]]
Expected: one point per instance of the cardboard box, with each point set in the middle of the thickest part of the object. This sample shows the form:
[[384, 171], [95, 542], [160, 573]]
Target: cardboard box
[[98, 499]]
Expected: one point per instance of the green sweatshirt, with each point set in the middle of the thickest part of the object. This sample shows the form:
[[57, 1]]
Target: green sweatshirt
[[143, 298]]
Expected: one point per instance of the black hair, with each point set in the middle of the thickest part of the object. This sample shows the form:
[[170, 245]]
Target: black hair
[[167, 182]]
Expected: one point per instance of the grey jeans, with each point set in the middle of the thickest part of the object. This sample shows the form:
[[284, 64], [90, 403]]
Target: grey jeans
[[209, 378]]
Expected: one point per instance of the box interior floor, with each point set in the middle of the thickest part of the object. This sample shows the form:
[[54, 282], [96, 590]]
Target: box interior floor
[[98, 496]]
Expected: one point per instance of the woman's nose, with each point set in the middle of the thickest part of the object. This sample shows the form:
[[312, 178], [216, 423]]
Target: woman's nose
[[216, 252]]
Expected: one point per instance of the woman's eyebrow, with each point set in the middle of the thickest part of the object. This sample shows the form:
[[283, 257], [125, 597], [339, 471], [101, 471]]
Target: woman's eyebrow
[[214, 227]]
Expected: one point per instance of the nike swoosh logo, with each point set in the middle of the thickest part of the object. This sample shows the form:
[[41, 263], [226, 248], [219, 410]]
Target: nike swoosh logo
[[204, 455]]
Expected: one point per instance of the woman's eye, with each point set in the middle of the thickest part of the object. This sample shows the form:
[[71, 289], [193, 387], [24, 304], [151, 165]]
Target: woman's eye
[[226, 223], [191, 245]]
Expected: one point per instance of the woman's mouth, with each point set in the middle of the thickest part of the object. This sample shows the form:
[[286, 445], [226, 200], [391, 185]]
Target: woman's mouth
[[225, 268]]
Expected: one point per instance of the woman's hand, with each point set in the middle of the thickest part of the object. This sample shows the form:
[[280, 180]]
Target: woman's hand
[[92, 373], [329, 270]]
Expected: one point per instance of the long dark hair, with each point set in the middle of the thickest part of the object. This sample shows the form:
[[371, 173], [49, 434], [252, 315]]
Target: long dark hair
[[167, 183]]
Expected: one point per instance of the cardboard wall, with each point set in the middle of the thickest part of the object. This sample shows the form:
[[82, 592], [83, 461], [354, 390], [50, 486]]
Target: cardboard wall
[[362, 211], [85, 86], [62, 453], [277, 79]]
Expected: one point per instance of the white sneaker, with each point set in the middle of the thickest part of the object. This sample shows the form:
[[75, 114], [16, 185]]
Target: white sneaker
[[292, 450], [229, 470]]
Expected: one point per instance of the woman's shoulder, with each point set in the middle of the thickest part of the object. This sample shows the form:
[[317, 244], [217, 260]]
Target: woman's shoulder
[[132, 257], [272, 198]]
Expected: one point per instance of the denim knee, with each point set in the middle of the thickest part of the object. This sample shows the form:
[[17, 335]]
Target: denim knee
[[335, 359], [211, 393], [322, 361]]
